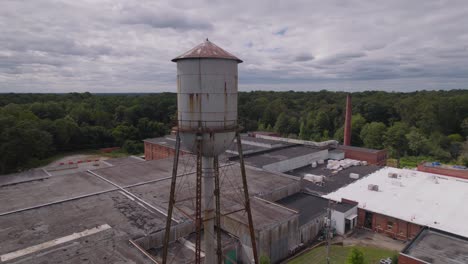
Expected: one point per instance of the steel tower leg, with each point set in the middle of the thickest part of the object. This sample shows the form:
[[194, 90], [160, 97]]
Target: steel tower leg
[[208, 215], [217, 193], [171, 199], [247, 198], [198, 219]]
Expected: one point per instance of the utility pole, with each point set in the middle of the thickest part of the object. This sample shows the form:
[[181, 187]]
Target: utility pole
[[328, 228]]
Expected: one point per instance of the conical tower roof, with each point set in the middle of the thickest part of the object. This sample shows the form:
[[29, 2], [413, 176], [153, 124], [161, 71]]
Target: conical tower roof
[[207, 50]]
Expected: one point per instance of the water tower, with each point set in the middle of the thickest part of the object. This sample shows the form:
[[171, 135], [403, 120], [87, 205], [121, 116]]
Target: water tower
[[207, 125]]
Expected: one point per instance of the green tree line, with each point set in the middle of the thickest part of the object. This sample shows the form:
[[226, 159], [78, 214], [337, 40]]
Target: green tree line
[[425, 123]]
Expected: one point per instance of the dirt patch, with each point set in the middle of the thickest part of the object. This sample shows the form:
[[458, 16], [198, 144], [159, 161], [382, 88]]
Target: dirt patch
[[367, 238], [137, 216]]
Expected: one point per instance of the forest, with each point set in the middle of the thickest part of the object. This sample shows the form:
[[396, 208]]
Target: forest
[[432, 124]]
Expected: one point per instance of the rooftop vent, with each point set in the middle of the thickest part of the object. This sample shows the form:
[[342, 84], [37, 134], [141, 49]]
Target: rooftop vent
[[373, 187]]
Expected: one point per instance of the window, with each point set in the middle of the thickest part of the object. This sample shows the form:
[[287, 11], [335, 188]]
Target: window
[[389, 225]]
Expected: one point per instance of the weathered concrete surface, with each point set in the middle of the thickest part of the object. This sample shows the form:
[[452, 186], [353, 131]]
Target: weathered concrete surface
[[127, 219], [32, 193]]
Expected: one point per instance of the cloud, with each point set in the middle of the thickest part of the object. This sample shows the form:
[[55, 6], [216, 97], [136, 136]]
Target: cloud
[[127, 45], [304, 57]]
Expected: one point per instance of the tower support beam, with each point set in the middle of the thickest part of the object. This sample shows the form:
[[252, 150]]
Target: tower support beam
[[217, 193], [208, 202], [171, 199], [247, 198]]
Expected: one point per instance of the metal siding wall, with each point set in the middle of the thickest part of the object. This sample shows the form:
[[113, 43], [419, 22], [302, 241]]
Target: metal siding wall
[[155, 240], [310, 230], [297, 162], [283, 192]]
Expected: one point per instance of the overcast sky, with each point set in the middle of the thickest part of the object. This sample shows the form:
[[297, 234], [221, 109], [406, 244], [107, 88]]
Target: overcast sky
[[127, 45]]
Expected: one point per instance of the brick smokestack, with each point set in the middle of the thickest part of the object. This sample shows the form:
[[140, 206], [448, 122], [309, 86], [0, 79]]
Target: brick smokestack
[[347, 127]]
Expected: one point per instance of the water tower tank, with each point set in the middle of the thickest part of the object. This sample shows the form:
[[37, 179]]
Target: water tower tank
[[207, 98]]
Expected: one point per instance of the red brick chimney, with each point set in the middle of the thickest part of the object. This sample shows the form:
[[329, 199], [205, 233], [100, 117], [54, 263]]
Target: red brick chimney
[[347, 127]]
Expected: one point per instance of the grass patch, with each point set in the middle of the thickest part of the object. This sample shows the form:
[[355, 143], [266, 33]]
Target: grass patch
[[339, 255], [413, 161], [114, 154]]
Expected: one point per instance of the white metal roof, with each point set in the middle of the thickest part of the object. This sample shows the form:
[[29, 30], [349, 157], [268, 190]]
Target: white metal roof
[[423, 198]]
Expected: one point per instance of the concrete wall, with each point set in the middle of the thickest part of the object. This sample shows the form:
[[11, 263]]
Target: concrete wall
[[309, 231], [241, 231], [274, 241], [399, 229], [336, 155], [339, 219], [280, 193], [277, 241], [155, 240], [463, 174], [297, 162]]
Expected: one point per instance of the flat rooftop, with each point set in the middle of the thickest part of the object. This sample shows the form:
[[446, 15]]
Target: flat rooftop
[[250, 145], [97, 212], [438, 247], [279, 155], [332, 181], [425, 199], [308, 206]]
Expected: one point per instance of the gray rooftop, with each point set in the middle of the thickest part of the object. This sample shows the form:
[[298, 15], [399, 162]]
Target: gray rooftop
[[279, 155], [309, 206], [332, 181], [438, 247], [48, 208], [249, 144]]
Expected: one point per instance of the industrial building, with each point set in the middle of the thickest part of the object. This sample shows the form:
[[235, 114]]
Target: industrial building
[[121, 205], [127, 204], [400, 202], [436, 247], [447, 170]]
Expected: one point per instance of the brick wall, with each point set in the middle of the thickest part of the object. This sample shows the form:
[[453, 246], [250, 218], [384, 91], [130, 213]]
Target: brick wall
[[156, 151], [402, 259], [377, 158], [392, 227], [444, 171]]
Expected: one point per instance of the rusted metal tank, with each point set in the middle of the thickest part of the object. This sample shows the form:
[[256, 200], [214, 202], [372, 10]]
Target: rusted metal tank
[[207, 97]]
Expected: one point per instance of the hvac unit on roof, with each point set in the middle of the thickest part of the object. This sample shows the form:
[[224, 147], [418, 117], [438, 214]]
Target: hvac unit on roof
[[393, 175], [314, 178], [373, 187]]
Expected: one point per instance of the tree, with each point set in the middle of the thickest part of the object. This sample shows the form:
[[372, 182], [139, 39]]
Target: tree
[[395, 139], [64, 129], [124, 132], [282, 124], [418, 144], [372, 135], [357, 123], [50, 110], [81, 115], [464, 127], [149, 129], [356, 257], [21, 144], [133, 146]]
